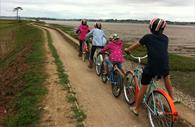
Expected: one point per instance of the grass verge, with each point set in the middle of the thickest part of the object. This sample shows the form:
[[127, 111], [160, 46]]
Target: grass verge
[[24, 109], [79, 115]]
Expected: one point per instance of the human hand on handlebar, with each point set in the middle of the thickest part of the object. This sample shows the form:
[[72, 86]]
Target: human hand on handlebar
[[127, 50]]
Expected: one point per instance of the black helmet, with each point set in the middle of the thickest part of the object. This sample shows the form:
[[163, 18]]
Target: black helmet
[[98, 25], [84, 22], [157, 25]]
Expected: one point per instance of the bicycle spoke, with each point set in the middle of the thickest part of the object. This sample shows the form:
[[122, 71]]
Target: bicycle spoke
[[162, 115], [129, 88]]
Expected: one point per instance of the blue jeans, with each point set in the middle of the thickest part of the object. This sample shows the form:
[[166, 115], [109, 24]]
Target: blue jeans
[[110, 64]]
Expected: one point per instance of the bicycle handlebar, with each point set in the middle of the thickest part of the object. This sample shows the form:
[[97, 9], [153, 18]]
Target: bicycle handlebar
[[138, 57]]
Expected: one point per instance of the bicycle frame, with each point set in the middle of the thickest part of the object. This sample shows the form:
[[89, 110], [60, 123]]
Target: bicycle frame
[[111, 73], [150, 92]]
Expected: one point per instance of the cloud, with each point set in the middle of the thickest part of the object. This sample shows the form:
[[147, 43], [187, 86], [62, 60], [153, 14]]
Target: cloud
[[160, 2], [179, 10]]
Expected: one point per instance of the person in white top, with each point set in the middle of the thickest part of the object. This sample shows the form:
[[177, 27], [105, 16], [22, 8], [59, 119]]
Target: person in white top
[[99, 40]]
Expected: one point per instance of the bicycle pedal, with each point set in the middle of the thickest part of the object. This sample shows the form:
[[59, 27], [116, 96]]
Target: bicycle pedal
[[114, 83]]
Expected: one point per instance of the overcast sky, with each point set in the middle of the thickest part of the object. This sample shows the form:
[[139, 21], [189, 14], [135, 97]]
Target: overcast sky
[[175, 10]]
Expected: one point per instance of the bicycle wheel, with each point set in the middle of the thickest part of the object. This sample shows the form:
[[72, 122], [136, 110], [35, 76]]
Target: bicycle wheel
[[98, 64], [129, 88], [159, 110], [102, 75], [116, 84], [84, 56]]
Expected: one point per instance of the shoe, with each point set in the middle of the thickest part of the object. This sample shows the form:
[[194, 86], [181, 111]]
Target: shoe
[[176, 101], [105, 73], [90, 64], [80, 54], [134, 111]]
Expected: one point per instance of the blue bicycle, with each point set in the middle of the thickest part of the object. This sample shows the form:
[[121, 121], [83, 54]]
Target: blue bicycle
[[115, 77]]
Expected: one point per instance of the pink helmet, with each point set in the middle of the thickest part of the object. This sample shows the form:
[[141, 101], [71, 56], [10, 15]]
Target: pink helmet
[[157, 25]]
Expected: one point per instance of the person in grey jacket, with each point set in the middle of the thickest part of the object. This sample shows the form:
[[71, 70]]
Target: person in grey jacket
[[99, 41]]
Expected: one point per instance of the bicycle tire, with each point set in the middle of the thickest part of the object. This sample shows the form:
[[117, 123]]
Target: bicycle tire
[[129, 88], [117, 84], [84, 56], [98, 65], [164, 114], [102, 75]]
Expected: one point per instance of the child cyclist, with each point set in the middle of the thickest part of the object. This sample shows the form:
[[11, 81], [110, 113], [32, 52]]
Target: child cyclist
[[82, 30], [98, 41], [157, 51], [114, 47]]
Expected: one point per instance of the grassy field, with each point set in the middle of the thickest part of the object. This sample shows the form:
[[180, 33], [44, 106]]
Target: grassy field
[[27, 52], [182, 68]]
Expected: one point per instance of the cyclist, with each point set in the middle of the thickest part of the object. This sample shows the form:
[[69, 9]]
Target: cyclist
[[98, 41], [82, 30], [157, 51], [114, 47]]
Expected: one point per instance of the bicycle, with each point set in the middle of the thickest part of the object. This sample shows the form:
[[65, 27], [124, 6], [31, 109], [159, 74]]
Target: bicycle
[[115, 76], [98, 60], [161, 109], [85, 51]]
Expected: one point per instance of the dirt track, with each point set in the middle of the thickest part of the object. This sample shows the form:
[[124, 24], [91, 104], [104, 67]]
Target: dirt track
[[102, 109]]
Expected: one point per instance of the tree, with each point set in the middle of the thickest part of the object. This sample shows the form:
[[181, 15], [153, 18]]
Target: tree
[[17, 10]]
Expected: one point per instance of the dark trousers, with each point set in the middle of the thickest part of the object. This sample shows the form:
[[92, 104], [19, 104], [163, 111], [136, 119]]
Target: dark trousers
[[93, 49], [80, 45]]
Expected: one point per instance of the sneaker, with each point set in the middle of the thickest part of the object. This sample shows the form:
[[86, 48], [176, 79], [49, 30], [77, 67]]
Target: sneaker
[[134, 111], [105, 73], [176, 101], [90, 66], [80, 54]]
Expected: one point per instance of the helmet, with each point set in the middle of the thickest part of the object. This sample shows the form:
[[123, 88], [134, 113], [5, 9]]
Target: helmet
[[84, 22], [110, 37], [157, 25], [114, 36], [98, 25]]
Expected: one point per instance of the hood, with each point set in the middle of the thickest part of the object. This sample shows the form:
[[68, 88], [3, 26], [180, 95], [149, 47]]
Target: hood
[[83, 26], [118, 42]]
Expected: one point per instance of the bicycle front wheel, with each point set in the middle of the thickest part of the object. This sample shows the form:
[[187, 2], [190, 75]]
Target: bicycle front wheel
[[117, 84], [129, 88], [159, 110]]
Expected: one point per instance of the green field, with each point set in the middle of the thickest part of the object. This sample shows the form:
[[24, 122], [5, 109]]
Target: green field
[[25, 60]]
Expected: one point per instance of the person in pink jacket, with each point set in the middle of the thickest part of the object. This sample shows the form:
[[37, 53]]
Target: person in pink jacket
[[82, 30], [114, 47]]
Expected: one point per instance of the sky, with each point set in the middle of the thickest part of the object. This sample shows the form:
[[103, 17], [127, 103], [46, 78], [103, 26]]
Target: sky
[[174, 10]]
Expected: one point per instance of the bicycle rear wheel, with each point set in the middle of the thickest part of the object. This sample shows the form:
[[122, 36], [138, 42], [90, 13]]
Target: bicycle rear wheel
[[159, 110], [129, 88], [116, 84], [102, 75], [98, 64]]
